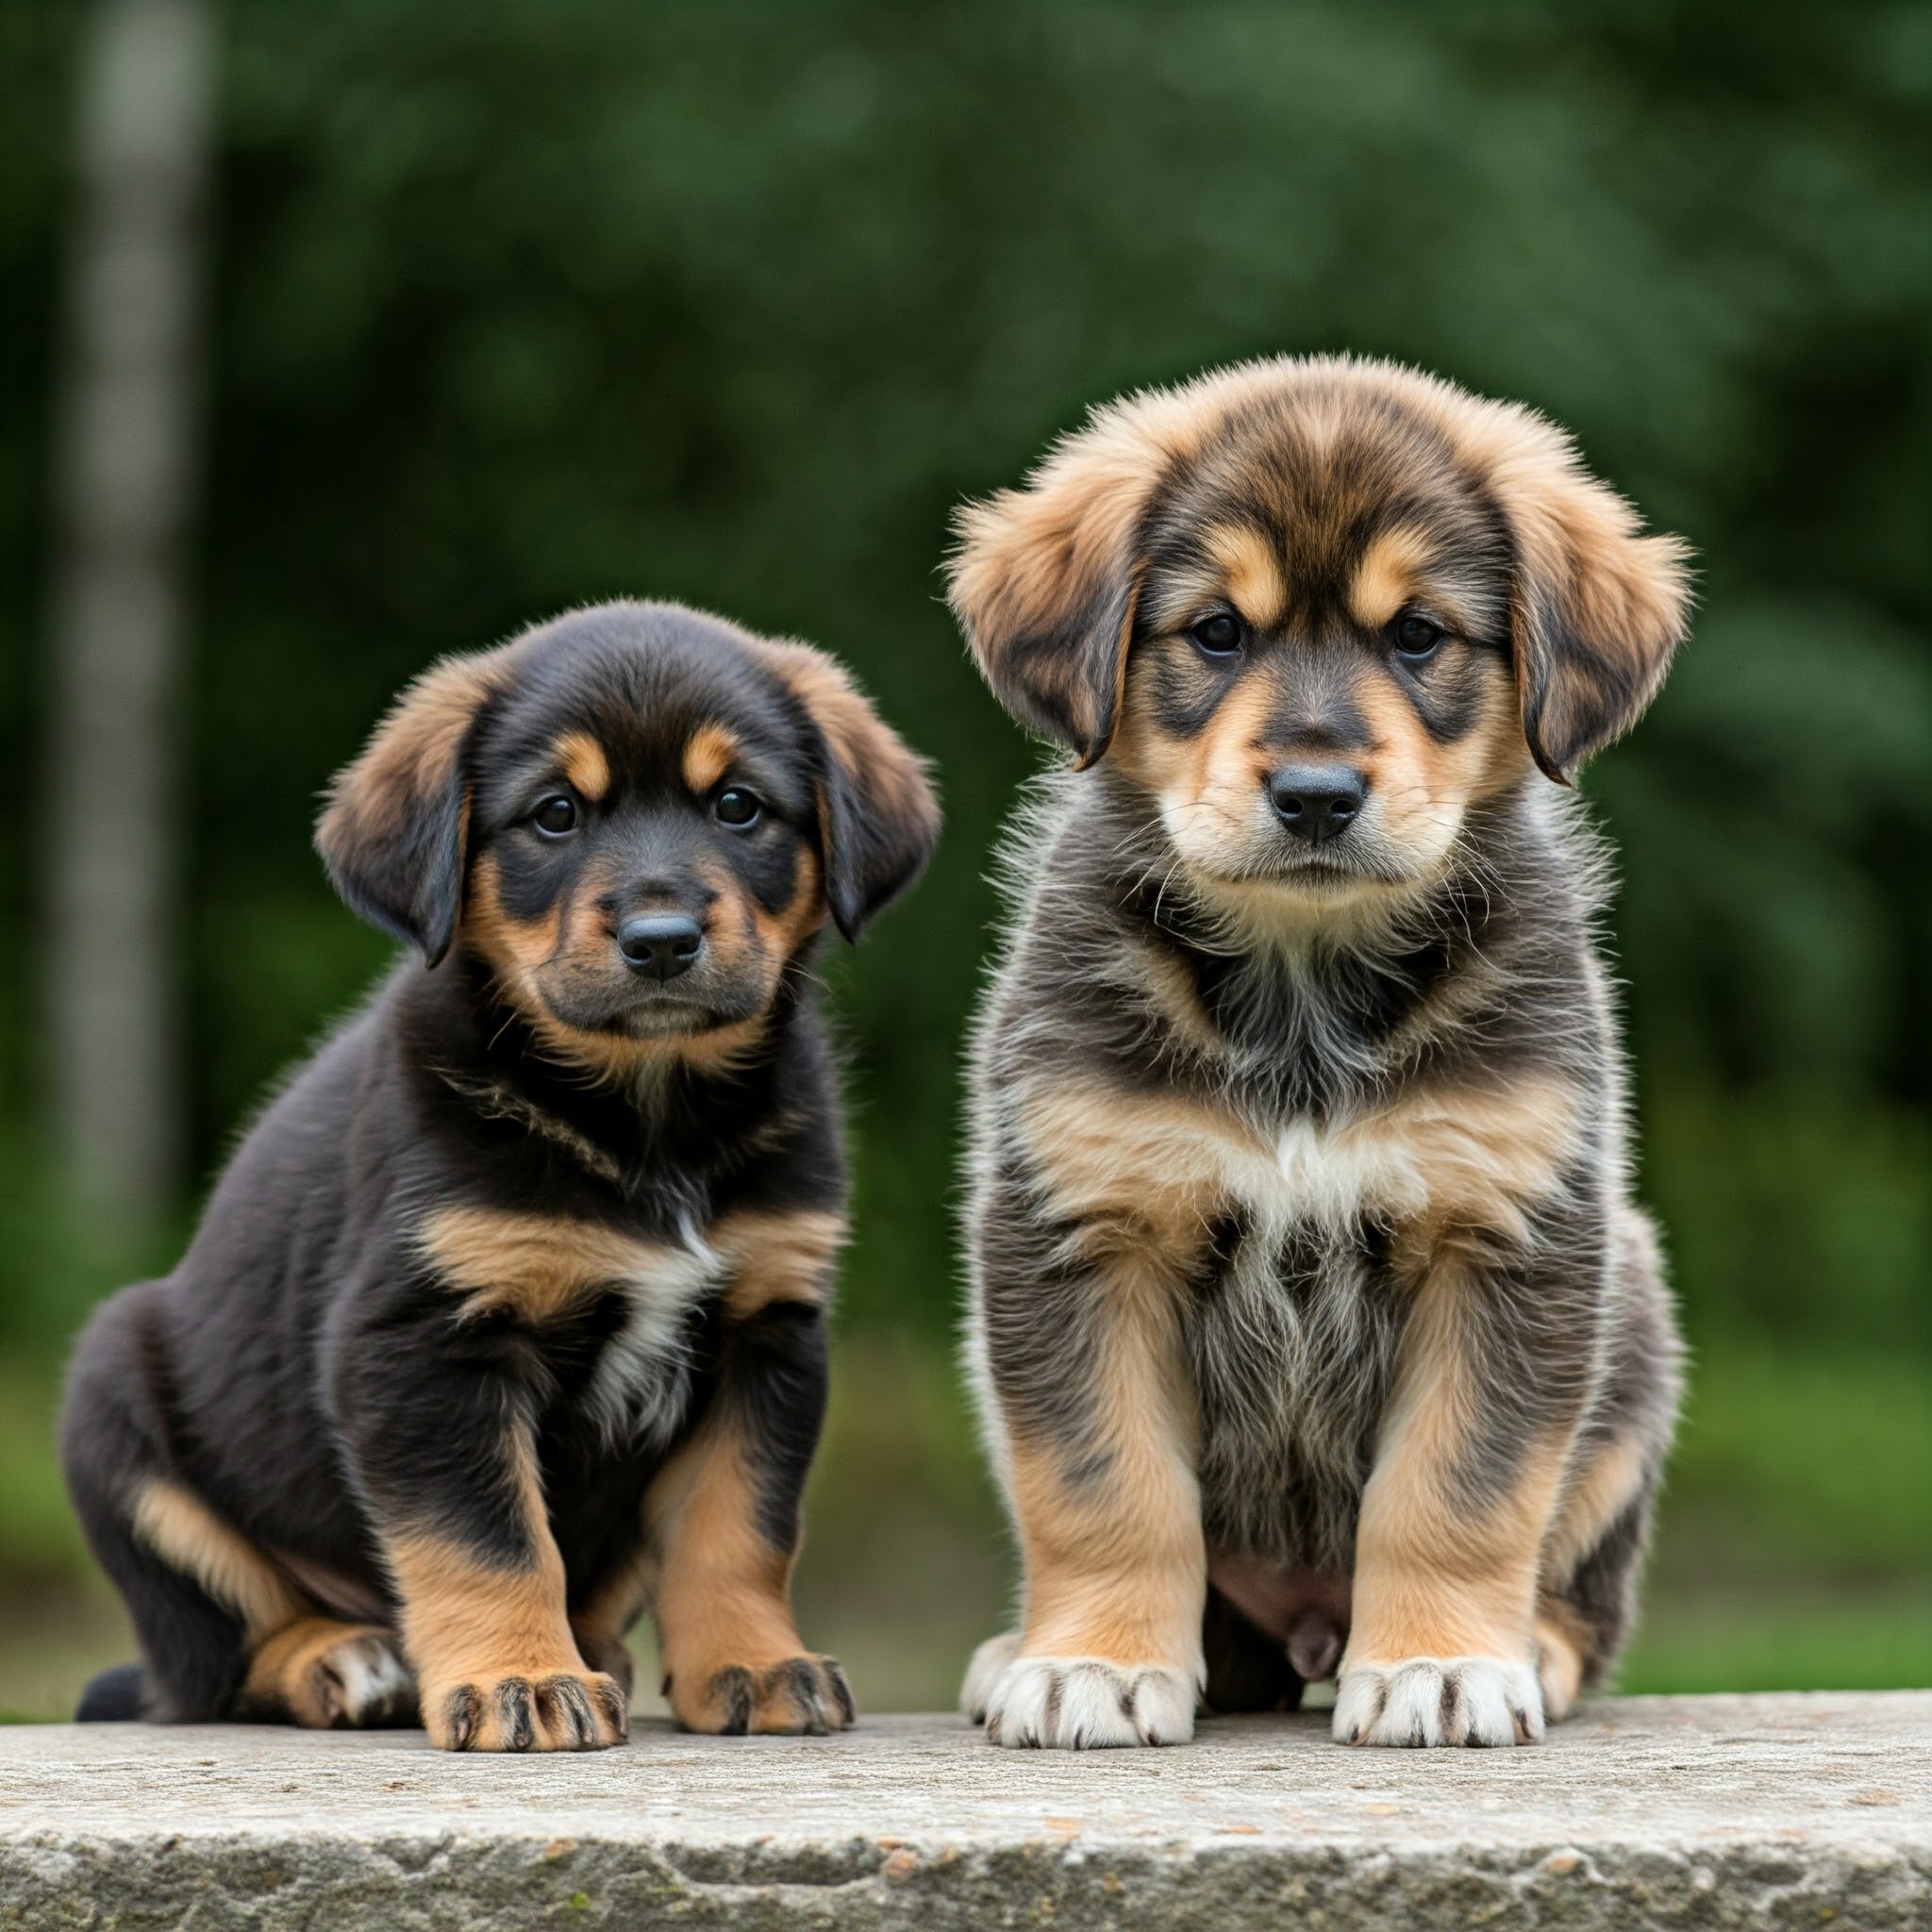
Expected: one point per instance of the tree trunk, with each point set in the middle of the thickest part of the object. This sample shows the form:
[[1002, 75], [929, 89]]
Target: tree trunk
[[125, 480]]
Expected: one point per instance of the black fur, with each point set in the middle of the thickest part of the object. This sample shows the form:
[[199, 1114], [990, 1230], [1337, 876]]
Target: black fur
[[309, 1373]]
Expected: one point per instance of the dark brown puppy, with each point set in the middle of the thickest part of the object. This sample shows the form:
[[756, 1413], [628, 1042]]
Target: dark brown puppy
[[1310, 1308], [506, 1319]]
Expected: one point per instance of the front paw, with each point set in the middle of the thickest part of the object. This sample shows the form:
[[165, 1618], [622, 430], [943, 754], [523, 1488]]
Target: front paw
[[1426, 1700], [989, 1664], [558, 1711], [1086, 1702], [797, 1695]]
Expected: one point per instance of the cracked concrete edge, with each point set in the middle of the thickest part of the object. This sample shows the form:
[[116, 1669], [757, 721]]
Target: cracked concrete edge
[[317, 1883]]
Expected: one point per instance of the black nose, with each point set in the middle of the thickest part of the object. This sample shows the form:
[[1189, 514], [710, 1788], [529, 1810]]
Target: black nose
[[660, 945], [1316, 802]]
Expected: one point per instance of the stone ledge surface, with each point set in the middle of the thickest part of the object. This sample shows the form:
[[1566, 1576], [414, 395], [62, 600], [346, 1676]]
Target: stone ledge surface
[[1765, 1812]]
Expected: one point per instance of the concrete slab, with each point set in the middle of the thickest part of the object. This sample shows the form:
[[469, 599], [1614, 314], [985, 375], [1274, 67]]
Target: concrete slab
[[1766, 1812]]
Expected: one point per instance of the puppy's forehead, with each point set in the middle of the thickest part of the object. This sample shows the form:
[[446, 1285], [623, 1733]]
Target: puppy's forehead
[[641, 706], [1302, 511]]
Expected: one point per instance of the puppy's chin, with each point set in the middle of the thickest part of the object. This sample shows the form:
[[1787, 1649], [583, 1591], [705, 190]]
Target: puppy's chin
[[647, 1017], [1276, 897]]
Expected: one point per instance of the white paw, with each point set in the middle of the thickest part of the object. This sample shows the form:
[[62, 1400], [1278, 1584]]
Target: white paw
[[984, 1672], [372, 1685], [1429, 1700], [1085, 1703]]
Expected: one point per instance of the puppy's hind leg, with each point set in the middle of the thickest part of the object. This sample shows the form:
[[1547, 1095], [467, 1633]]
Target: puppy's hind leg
[[194, 1649], [1592, 1561], [198, 1592], [330, 1675], [224, 1631]]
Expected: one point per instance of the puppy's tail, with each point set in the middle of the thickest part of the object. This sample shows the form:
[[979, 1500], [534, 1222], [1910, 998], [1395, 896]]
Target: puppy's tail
[[113, 1697]]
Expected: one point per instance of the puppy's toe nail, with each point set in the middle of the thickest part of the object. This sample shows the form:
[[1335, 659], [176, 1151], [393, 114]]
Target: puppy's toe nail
[[732, 1690], [609, 1699], [841, 1691], [514, 1717], [564, 1706], [461, 1711]]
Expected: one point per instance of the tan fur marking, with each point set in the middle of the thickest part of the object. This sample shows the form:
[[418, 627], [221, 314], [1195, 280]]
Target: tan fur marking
[[709, 756], [285, 1672], [1419, 791], [721, 1593], [1438, 1160], [520, 951], [1031, 560], [722, 1048], [582, 760], [1115, 1565], [776, 1258], [1596, 1496], [414, 752], [1208, 785], [1388, 575], [1475, 1157], [1251, 572], [1226, 763], [1434, 1577], [474, 1627], [517, 948], [464, 1620], [1141, 1164], [184, 1532], [538, 1266], [782, 933], [860, 739], [1561, 1642]]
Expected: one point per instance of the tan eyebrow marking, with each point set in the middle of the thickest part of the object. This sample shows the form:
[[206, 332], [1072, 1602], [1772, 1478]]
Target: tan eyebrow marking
[[1387, 577], [581, 759], [707, 756], [1251, 570]]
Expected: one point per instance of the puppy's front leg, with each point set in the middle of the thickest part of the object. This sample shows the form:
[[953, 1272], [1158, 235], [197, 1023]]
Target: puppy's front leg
[[1100, 1468], [445, 1452], [723, 1524], [1466, 1480]]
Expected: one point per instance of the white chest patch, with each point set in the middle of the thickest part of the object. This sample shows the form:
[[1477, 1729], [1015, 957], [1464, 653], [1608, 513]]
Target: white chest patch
[[544, 1270], [1480, 1154], [639, 1390], [1331, 1178]]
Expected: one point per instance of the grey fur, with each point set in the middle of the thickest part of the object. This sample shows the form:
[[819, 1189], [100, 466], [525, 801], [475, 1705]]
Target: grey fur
[[1286, 1127], [1292, 1333]]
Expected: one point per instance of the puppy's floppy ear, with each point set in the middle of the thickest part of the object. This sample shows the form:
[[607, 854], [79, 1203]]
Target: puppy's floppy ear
[[395, 828], [1596, 610], [880, 820], [1045, 579]]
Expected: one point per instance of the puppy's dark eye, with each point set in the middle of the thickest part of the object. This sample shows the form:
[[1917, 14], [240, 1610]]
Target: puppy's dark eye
[[555, 816], [1219, 635], [1417, 638], [737, 807]]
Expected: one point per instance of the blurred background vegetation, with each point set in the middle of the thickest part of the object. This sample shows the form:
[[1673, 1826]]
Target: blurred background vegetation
[[517, 304]]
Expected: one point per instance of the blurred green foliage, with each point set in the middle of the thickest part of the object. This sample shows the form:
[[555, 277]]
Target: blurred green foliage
[[526, 303]]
